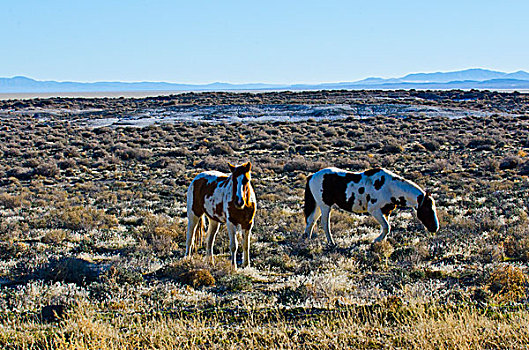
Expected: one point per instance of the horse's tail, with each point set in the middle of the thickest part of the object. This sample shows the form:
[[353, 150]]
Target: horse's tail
[[200, 233], [310, 203]]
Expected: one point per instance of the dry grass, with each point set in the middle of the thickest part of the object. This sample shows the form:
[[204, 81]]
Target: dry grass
[[92, 220], [417, 327]]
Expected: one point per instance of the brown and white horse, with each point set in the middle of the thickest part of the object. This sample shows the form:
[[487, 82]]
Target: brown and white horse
[[375, 191], [224, 198]]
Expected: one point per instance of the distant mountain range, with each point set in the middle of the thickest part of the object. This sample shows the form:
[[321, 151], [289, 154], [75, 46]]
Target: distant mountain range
[[475, 78]]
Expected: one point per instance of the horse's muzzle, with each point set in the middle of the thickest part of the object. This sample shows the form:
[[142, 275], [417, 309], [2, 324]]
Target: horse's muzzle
[[239, 204]]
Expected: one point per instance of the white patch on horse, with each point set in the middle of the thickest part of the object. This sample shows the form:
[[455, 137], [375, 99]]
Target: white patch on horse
[[350, 191], [239, 192]]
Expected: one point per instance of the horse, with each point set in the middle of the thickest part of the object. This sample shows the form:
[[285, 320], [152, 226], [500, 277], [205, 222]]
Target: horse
[[375, 191], [225, 199]]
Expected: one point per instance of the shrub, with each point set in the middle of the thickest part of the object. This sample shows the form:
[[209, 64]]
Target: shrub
[[235, 283], [47, 170], [417, 147], [517, 248], [383, 249], [484, 144], [491, 165], [190, 272], [197, 278], [72, 270], [431, 146], [303, 165], [279, 146], [83, 218], [20, 173], [178, 152], [128, 153], [510, 162], [524, 168], [54, 236], [159, 225], [282, 262], [161, 163], [212, 163], [293, 295], [222, 149], [307, 149], [392, 147], [343, 143], [120, 274], [9, 201], [507, 283], [68, 163]]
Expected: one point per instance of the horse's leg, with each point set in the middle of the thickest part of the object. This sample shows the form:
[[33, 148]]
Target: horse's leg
[[311, 222], [192, 223], [246, 235], [232, 233], [384, 224], [326, 223], [213, 228]]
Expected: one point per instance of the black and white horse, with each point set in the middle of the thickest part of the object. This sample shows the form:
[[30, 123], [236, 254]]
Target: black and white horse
[[376, 191]]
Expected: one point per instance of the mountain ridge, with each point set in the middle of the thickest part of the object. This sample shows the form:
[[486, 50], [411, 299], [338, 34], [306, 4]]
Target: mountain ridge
[[478, 78]]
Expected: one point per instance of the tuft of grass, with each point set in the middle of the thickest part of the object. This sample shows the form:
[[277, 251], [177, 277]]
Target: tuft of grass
[[508, 284], [197, 278]]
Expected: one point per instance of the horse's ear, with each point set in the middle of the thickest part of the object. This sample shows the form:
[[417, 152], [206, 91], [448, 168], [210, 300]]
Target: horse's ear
[[232, 167], [248, 166]]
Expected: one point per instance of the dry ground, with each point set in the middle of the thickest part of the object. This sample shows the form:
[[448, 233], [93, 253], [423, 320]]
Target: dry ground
[[92, 227]]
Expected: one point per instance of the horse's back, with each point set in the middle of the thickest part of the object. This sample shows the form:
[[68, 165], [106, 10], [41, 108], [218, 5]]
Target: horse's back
[[202, 186], [210, 175], [351, 191]]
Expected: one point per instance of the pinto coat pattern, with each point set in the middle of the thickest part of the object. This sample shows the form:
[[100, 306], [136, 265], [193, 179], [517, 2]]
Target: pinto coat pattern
[[225, 199], [376, 191]]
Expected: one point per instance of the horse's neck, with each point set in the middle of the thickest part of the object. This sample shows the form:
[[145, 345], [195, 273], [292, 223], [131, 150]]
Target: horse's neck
[[409, 190]]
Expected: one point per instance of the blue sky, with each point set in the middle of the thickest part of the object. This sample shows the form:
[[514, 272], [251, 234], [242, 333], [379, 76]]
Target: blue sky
[[258, 41]]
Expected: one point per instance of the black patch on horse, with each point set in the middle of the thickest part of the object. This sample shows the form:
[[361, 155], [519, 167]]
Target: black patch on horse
[[401, 202], [372, 172], [373, 200], [353, 177], [426, 214], [419, 200], [334, 187], [388, 208], [351, 202], [379, 183], [368, 198], [361, 190]]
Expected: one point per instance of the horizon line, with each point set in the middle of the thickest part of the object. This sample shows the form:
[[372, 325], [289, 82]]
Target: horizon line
[[255, 83]]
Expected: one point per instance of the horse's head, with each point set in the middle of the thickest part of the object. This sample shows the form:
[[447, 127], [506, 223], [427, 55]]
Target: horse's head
[[241, 184], [426, 212]]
